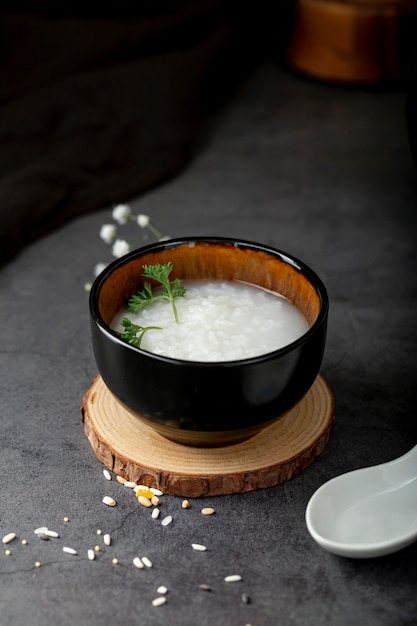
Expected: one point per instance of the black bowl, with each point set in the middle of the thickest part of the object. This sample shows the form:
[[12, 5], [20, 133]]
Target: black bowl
[[209, 403]]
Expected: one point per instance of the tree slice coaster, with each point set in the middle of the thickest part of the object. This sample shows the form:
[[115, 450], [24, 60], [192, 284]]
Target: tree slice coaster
[[138, 453]]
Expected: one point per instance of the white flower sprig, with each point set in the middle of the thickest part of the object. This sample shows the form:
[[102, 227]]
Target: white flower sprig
[[121, 214]]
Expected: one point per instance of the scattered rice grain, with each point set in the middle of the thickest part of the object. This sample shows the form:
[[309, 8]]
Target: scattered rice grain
[[130, 484], [37, 563], [204, 587], [42, 536], [42, 533], [97, 548], [51, 533], [208, 510], [109, 501], [144, 501], [66, 519], [69, 550], [9, 537], [159, 601], [185, 504], [155, 500], [7, 552], [120, 479], [162, 589], [115, 561], [99, 531], [138, 563], [91, 555], [107, 540], [198, 547], [167, 520], [233, 578], [147, 562], [245, 598], [156, 492], [155, 513], [24, 542], [106, 474]]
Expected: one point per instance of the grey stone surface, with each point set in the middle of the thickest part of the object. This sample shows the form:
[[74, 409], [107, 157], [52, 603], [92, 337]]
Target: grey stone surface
[[322, 172]]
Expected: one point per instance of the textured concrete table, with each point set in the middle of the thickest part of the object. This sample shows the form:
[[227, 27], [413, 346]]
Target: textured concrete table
[[326, 174]]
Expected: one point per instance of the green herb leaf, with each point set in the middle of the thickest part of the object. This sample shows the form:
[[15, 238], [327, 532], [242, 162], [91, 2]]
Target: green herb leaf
[[159, 273], [141, 299], [134, 333]]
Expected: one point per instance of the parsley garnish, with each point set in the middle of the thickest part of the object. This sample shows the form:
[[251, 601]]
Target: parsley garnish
[[134, 333], [159, 273]]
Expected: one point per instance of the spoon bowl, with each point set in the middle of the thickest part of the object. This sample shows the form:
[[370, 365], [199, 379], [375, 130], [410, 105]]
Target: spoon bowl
[[369, 512]]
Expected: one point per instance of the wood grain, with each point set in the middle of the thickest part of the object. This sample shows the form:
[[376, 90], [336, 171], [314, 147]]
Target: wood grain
[[135, 451]]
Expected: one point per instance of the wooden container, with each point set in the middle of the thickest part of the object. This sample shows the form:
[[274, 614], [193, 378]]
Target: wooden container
[[351, 41]]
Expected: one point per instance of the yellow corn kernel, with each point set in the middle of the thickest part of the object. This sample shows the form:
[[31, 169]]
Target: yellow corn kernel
[[146, 493]]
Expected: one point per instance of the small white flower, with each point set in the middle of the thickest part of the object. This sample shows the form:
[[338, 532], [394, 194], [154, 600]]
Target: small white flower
[[143, 220], [108, 232], [121, 213], [99, 268], [120, 247]]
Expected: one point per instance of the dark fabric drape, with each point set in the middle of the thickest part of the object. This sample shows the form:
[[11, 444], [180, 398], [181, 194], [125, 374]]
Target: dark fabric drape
[[97, 106]]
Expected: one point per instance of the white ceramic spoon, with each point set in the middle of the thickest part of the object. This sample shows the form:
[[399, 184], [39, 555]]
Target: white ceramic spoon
[[368, 512]]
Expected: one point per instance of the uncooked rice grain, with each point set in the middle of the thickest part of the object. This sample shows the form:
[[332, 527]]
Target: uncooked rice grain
[[144, 501], [208, 510], [109, 501]]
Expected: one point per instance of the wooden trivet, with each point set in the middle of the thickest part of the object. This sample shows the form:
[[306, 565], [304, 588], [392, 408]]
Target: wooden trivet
[[138, 453]]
